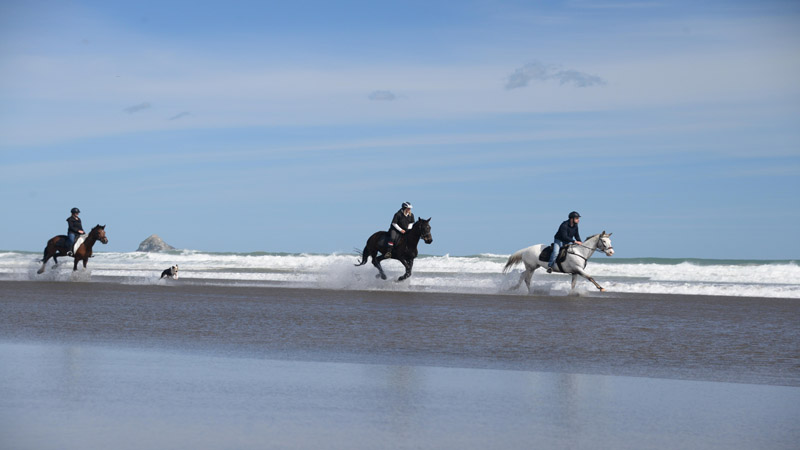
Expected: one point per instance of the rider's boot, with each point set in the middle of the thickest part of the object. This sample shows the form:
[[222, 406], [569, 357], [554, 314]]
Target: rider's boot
[[388, 253], [549, 269]]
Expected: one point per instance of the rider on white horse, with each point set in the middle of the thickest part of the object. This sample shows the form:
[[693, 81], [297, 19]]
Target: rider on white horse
[[567, 234]]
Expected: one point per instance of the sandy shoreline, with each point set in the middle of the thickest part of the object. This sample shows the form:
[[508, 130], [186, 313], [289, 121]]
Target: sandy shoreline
[[101, 365]]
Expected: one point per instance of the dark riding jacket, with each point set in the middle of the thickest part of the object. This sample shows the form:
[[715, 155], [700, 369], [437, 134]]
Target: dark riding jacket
[[568, 233], [402, 221], [75, 225]]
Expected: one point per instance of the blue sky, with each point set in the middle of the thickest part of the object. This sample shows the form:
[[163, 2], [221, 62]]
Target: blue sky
[[302, 126]]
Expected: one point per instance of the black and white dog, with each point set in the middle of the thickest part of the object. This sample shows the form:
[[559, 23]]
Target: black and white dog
[[171, 272]]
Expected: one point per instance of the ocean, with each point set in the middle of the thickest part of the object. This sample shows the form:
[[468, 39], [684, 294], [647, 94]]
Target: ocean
[[474, 274]]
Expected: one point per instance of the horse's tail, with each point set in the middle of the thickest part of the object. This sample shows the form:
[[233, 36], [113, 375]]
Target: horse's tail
[[513, 260], [364, 256]]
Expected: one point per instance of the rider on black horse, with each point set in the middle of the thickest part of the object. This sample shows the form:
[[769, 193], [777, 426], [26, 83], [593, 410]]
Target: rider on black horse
[[567, 233], [402, 221], [75, 228]]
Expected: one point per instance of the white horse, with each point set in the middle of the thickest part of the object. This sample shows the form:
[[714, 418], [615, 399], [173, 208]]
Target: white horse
[[575, 262]]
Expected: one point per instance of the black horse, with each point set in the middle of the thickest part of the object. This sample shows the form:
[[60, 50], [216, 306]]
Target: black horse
[[405, 249]]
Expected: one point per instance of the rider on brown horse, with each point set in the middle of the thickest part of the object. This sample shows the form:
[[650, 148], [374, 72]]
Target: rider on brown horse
[[74, 229], [54, 247]]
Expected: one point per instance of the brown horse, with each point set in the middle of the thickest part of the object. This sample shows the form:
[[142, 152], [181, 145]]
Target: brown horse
[[57, 247]]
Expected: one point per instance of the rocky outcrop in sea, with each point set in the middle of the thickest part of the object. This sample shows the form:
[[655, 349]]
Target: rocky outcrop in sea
[[154, 244]]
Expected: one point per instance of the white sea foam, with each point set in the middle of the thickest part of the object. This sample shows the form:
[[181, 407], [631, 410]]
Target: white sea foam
[[479, 274]]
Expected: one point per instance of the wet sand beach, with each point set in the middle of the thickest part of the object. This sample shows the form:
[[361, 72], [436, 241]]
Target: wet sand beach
[[94, 365]]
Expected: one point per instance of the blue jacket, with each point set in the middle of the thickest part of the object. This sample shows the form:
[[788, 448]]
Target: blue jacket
[[567, 233]]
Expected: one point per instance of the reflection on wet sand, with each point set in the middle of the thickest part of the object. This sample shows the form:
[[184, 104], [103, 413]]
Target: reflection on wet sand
[[94, 398]]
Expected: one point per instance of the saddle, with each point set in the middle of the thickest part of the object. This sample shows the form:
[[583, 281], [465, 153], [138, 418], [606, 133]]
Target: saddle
[[78, 241], [383, 242], [562, 255]]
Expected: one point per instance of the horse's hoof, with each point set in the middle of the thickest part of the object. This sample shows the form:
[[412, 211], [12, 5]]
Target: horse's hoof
[[40, 271], [602, 289]]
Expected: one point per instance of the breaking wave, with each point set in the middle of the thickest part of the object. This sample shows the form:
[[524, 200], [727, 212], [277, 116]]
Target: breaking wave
[[476, 274]]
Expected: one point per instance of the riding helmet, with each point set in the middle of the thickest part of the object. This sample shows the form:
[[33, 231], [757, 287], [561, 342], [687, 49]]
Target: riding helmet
[[574, 214], [407, 205], [75, 210]]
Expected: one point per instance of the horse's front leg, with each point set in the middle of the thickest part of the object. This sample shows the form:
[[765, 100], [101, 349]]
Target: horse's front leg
[[75, 264], [588, 277], [408, 265], [377, 263]]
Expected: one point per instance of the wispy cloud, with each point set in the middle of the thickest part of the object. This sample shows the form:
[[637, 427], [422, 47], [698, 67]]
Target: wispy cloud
[[615, 5], [382, 96], [136, 108], [537, 71], [180, 115]]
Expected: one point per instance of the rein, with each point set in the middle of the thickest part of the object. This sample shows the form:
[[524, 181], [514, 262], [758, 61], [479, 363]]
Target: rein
[[586, 258], [593, 249], [91, 238]]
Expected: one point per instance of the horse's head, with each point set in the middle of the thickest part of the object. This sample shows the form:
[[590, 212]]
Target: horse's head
[[604, 244], [99, 232], [424, 227]]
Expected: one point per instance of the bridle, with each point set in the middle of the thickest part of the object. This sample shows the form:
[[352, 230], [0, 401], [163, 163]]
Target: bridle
[[427, 236], [96, 235], [604, 249]]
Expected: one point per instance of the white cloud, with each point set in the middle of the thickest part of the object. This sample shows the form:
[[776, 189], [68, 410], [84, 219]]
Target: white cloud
[[138, 107], [615, 5], [180, 115], [79, 95], [382, 96], [536, 71]]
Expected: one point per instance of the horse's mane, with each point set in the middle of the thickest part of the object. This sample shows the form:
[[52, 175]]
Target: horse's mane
[[596, 236]]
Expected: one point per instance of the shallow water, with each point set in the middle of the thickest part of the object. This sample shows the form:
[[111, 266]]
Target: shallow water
[[478, 274]]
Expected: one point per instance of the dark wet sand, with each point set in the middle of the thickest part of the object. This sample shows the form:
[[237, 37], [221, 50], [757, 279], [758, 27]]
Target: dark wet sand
[[89, 365], [731, 339]]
